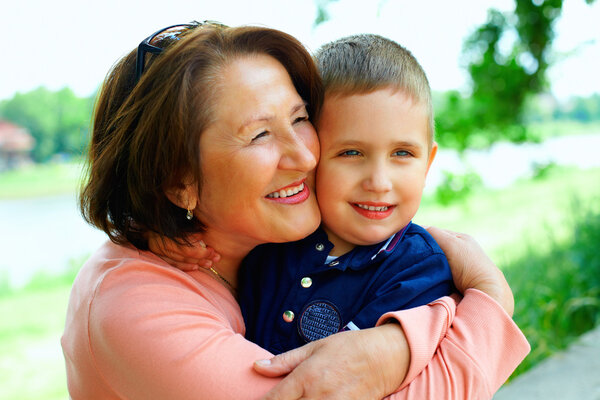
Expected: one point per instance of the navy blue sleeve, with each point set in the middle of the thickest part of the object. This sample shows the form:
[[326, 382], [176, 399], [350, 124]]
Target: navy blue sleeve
[[420, 283]]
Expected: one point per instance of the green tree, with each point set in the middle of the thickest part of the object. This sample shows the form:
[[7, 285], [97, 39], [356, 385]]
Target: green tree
[[59, 121], [504, 74], [503, 77]]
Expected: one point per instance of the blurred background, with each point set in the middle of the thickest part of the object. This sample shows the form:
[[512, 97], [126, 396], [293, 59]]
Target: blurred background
[[517, 103]]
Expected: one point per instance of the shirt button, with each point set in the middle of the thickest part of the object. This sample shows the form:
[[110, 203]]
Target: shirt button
[[334, 263], [288, 316], [306, 282], [319, 246]]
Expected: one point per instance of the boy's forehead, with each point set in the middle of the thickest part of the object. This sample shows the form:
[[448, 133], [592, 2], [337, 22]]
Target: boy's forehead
[[347, 117], [366, 108]]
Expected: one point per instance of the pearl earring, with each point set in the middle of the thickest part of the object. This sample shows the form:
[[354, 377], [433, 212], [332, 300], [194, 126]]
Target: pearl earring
[[189, 215]]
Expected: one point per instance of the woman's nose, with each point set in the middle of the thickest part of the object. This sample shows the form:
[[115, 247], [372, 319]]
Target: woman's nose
[[299, 152]]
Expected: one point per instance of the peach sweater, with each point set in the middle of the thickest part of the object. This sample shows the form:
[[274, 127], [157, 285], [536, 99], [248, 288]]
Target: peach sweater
[[138, 328]]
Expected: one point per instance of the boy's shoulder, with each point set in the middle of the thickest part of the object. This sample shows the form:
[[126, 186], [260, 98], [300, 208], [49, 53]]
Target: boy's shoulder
[[415, 239]]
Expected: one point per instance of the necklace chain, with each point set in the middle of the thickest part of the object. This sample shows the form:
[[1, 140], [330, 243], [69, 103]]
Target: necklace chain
[[222, 278]]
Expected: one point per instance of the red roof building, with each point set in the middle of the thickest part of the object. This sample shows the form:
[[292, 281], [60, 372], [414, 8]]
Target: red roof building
[[15, 145]]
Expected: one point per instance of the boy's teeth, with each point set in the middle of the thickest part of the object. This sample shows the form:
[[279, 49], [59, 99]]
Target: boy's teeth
[[372, 208], [286, 192]]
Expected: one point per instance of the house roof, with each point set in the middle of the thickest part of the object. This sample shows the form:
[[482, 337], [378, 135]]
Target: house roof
[[14, 137]]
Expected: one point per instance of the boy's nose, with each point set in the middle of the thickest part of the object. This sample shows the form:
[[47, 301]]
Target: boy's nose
[[378, 180]]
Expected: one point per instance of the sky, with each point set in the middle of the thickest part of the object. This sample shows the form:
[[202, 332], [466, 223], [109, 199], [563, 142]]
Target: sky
[[75, 42]]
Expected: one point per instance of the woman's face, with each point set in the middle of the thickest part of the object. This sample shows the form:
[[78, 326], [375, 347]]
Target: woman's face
[[258, 158]]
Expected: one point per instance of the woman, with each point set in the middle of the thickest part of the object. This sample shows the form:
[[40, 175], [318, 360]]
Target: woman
[[217, 122]]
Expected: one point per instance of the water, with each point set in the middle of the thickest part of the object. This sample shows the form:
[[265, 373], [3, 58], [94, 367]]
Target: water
[[45, 233], [42, 234], [504, 163]]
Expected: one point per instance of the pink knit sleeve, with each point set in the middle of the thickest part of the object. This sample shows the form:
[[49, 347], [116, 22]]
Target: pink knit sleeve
[[156, 334], [475, 347]]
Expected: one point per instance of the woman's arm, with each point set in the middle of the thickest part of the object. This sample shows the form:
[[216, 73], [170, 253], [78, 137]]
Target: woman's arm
[[363, 364], [456, 352]]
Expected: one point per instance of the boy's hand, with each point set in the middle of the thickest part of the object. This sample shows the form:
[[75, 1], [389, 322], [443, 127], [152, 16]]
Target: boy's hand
[[186, 258], [472, 268]]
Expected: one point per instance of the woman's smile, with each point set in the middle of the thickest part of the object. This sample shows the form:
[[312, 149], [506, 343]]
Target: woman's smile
[[297, 192]]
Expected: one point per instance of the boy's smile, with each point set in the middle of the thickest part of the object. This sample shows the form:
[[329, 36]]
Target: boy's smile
[[375, 155]]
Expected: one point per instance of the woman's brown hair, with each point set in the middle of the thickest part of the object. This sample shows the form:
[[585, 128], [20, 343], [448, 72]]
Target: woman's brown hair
[[145, 136]]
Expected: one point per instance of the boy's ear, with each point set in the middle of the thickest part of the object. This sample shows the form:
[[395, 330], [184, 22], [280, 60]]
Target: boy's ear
[[432, 153], [183, 196]]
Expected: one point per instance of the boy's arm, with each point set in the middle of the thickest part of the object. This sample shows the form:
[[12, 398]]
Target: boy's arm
[[401, 286]]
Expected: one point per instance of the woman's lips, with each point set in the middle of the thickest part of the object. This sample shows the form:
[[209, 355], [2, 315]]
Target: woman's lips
[[297, 192], [373, 210]]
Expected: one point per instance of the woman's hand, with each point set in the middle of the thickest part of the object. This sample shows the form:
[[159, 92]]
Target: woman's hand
[[472, 268], [186, 258], [365, 364]]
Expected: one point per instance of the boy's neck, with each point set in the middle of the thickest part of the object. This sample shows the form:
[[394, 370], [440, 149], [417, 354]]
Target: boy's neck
[[340, 246]]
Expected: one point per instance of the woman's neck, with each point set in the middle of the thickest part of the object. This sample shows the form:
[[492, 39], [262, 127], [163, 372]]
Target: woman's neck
[[232, 251]]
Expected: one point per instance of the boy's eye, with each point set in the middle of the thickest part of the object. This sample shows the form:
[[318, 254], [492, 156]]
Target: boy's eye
[[262, 134], [350, 153], [401, 153]]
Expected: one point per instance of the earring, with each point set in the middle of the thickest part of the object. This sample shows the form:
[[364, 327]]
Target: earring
[[189, 215]]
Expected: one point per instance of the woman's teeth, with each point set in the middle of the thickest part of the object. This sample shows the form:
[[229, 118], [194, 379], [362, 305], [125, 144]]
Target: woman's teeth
[[287, 192], [371, 208]]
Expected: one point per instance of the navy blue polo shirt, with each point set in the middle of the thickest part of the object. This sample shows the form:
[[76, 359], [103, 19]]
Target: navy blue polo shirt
[[290, 294]]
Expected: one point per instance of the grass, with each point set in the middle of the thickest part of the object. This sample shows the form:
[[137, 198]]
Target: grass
[[40, 180], [557, 292], [31, 363], [505, 221], [533, 230], [550, 129]]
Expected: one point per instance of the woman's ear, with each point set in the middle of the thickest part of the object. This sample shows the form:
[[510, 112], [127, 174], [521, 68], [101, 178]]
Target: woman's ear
[[183, 196]]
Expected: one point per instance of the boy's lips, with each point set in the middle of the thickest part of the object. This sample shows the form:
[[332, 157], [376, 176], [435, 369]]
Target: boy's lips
[[373, 210], [294, 193]]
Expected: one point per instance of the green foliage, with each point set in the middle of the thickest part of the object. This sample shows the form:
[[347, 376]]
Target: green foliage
[[322, 13], [59, 121], [557, 293], [507, 59], [456, 187], [40, 180]]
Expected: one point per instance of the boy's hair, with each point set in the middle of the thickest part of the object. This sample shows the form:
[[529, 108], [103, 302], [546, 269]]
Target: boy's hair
[[364, 63]]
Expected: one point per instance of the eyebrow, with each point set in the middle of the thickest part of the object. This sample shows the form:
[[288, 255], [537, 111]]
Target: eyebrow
[[268, 117], [401, 143]]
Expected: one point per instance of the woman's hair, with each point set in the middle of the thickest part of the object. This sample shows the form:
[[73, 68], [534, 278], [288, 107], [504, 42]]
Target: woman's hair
[[146, 136], [365, 63]]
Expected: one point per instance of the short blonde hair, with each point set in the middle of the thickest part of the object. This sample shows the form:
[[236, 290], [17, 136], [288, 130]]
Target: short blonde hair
[[366, 63]]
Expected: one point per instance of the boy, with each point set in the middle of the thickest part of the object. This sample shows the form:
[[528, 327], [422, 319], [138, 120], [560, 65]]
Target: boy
[[367, 258]]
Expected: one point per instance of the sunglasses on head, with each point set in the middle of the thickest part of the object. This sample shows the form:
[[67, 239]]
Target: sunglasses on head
[[162, 39]]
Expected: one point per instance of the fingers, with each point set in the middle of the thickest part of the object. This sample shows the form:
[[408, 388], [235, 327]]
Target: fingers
[[185, 257], [283, 363], [290, 388]]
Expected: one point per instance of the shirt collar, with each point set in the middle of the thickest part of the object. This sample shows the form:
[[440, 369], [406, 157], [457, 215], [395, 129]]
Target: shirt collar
[[363, 256]]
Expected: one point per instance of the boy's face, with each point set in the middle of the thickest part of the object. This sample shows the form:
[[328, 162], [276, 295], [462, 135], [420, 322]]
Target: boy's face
[[374, 160]]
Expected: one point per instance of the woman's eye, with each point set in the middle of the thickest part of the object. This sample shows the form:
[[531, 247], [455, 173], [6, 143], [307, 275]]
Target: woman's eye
[[262, 134], [350, 153], [301, 119]]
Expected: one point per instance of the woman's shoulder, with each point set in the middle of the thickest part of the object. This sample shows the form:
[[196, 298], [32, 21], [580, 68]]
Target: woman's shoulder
[[118, 275]]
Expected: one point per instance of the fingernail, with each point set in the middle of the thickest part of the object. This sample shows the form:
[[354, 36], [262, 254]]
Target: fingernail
[[201, 243], [207, 264], [263, 363]]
